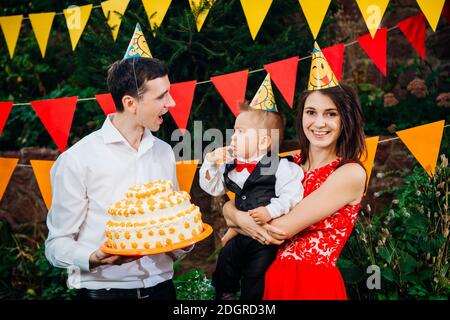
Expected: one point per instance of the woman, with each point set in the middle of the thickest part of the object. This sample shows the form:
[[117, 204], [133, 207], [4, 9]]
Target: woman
[[331, 137]]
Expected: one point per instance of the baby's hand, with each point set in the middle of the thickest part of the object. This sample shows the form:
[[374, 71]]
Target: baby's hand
[[260, 215], [224, 154]]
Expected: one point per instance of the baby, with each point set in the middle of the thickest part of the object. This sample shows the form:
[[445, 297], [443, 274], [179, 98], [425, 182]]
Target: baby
[[265, 186]]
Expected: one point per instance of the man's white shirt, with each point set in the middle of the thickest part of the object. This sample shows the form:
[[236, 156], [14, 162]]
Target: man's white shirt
[[87, 179]]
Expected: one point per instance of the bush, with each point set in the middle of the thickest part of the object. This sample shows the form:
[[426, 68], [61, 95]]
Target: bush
[[25, 273], [194, 285], [408, 241]]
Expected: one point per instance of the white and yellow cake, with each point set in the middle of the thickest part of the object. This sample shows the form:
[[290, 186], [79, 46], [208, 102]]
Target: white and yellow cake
[[152, 216]]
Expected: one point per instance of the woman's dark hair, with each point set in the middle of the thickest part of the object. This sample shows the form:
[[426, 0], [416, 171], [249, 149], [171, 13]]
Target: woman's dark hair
[[351, 144], [128, 77]]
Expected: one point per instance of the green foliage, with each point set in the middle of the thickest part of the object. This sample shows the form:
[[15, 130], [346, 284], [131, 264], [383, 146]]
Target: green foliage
[[194, 285], [409, 241], [24, 271], [224, 45], [411, 111]]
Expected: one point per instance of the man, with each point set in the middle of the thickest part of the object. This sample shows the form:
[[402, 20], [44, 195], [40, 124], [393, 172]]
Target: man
[[97, 171]]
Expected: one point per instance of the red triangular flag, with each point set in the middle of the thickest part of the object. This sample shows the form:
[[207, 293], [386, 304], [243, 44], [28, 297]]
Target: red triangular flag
[[335, 58], [106, 102], [446, 11], [183, 94], [232, 88], [57, 116], [376, 48], [414, 29], [284, 74], [5, 109]]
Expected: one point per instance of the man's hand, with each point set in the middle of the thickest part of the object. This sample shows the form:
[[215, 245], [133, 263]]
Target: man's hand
[[220, 155], [260, 215], [99, 258]]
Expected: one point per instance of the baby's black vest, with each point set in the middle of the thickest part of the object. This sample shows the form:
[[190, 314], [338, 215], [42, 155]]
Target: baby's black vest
[[259, 187]]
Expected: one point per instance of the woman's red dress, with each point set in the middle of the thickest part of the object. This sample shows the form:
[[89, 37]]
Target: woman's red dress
[[305, 266]]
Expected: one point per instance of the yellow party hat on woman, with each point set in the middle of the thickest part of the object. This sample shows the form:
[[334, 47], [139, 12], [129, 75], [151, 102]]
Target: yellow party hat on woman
[[321, 76], [264, 98], [138, 46]]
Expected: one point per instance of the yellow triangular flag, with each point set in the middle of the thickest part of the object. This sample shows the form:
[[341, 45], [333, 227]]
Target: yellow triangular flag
[[185, 174], [372, 145], [76, 20], [7, 166], [230, 195], [200, 9], [156, 11], [41, 170], [42, 24], [424, 143], [113, 11], [255, 11], [11, 29], [372, 12], [314, 11], [432, 10]]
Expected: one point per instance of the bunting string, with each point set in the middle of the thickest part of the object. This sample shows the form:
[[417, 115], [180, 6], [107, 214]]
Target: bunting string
[[61, 13], [199, 165], [417, 140], [209, 81]]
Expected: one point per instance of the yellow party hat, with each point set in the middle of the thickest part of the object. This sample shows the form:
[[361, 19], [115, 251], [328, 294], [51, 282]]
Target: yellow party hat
[[264, 98], [138, 46], [321, 76]]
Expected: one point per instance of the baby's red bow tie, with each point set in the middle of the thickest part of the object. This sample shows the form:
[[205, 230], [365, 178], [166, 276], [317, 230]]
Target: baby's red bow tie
[[245, 165]]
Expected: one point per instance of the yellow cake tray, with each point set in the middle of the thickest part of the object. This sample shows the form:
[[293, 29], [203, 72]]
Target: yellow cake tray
[[207, 230]]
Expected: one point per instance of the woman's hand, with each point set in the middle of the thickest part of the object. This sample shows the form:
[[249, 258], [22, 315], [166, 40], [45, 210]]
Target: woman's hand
[[275, 233]]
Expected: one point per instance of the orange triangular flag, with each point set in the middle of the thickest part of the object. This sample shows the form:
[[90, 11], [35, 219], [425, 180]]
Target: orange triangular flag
[[7, 166], [372, 145], [424, 143], [11, 29], [288, 153], [41, 170], [185, 174], [230, 195], [41, 24]]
